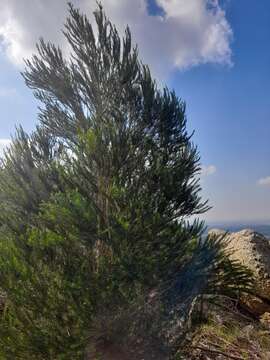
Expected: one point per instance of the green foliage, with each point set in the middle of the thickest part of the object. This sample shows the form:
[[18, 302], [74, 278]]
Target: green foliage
[[94, 206]]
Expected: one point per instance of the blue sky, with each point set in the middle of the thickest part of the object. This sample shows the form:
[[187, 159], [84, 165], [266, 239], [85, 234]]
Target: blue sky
[[230, 110], [216, 57]]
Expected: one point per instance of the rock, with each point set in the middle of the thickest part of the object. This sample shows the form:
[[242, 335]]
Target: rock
[[266, 356], [265, 320], [252, 250], [247, 331], [217, 232]]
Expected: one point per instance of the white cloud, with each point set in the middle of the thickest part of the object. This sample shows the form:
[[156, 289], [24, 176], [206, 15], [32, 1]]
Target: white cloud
[[264, 181], [208, 170], [3, 144], [187, 33]]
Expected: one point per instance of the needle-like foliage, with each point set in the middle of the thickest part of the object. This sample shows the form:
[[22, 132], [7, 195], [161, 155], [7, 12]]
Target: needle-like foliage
[[94, 208]]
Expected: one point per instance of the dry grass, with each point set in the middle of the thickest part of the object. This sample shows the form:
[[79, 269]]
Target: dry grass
[[229, 335]]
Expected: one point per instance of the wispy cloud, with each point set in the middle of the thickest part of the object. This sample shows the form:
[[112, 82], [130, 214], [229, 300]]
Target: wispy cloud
[[184, 34], [264, 181], [208, 170]]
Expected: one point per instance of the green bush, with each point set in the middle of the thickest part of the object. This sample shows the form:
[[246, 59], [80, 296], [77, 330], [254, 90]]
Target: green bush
[[94, 208]]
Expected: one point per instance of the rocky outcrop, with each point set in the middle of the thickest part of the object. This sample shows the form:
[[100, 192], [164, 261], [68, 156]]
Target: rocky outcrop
[[252, 250]]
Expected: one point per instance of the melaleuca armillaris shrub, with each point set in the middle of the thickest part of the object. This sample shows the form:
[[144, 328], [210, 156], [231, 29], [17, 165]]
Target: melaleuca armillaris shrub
[[94, 208]]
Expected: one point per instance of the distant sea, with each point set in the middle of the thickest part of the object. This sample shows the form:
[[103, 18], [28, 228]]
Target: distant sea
[[263, 229]]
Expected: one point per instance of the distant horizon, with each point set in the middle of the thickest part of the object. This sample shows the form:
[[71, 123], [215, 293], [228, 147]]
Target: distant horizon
[[262, 228], [238, 222]]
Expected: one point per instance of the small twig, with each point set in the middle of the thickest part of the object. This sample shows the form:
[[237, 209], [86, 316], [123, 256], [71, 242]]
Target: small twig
[[249, 318], [224, 341], [217, 352]]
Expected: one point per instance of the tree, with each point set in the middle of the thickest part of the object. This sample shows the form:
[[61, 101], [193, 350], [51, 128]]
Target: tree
[[95, 206]]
